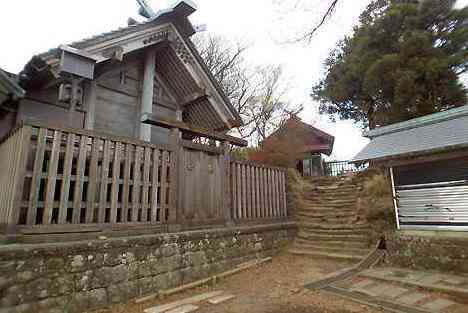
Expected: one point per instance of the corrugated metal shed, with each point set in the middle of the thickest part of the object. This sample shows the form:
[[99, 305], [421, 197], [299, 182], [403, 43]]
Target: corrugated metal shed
[[432, 133]]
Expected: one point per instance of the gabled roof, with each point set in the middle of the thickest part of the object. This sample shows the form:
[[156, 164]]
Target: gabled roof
[[294, 123], [433, 133], [9, 88], [171, 25]]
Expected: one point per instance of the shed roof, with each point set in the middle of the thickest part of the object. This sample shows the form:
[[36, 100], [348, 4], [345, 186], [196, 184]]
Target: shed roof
[[428, 134]]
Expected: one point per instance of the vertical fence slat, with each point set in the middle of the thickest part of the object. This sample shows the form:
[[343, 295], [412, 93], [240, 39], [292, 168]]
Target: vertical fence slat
[[285, 205], [239, 190], [146, 178], [65, 188], [104, 181], [136, 184], [126, 182], [163, 188], [80, 171], [20, 173], [233, 191], [244, 191], [257, 192], [115, 183], [52, 178], [36, 176], [270, 203], [273, 192], [248, 192], [154, 188], [92, 180], [277, 193], [254, 194]]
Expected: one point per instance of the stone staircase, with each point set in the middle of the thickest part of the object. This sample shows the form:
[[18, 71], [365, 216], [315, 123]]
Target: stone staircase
[[328, 221]]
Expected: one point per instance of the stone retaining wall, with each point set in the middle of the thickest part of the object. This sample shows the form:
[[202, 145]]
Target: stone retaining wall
[[75, 277], [428, 250]]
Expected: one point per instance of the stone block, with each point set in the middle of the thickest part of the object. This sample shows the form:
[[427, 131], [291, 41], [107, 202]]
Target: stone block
[[438, 305], [120, 293], [412, 298]]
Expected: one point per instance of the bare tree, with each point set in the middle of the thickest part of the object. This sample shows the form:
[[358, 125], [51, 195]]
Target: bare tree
[[258, 93], [309, 33]]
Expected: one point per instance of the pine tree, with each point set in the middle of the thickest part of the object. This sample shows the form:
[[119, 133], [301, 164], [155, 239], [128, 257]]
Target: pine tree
[[404, 60]]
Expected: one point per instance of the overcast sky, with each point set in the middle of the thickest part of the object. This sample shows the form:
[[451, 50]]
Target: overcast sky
[[31, 27]]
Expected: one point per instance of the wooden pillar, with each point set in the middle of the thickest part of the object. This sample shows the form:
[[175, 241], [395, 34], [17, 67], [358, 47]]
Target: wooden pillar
[[146, 105], [90, 103]]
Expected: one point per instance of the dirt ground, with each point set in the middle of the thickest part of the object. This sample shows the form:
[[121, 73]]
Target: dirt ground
[[274, 287]]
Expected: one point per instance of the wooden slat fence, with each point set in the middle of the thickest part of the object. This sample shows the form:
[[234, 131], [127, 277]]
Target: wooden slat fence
[[257, 192], [64, 177], [56, 180]]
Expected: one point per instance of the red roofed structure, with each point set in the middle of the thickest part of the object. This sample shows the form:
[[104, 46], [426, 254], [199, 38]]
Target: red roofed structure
[[296, 138]]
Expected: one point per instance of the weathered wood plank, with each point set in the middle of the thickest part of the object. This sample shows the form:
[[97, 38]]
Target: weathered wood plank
[[37, 176], [260, 191], [233, 190], [239, 190], [65, 188], [52, 178], [275, 193], [284, 184], [248, 194], [163, 184], [244, 191], [126, 182], [154, 188], [257, 191], [115, 182], [268, 192], [95, 133], [136, 183], [167, 123], [265, 193], [80, 171], [104, 182], [146, 182], [20, 172], [92, 180]]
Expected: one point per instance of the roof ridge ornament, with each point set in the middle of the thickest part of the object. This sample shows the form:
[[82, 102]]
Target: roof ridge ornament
[[146, 10]]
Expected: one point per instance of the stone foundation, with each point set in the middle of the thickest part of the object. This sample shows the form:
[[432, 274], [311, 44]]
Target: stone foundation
[[80, 276], [429, 250]]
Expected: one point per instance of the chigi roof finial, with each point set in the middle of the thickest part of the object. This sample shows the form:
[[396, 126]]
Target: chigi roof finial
[[146, 10]]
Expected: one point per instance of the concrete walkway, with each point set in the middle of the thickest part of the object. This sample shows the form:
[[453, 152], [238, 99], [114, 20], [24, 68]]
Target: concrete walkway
[[418, 291]]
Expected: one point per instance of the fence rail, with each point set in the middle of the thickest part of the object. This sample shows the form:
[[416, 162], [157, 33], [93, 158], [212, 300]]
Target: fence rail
[[257, 192], [339, 168]]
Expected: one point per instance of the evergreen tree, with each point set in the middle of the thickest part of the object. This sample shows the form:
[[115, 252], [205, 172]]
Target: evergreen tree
[[404, 60]]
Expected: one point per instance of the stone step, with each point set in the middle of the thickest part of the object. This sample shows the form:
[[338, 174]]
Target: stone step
[[454, 285], [334, 232], [328, 220], [313, 198], [342, 191], [333, 243], [330, 201], [325, 212], [334, 192], [331, 237], [337, 256], [335, 226], [331, 249]]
